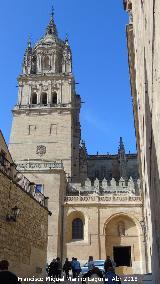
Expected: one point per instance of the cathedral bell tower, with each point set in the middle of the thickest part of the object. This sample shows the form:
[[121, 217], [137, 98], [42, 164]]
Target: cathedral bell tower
[[46, 117]]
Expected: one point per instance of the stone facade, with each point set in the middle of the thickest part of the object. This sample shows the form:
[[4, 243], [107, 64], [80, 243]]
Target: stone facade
[[93, 213], [113, 166], [102, 206], [143, 37], [101, 216], [53, 179], [22, 242]]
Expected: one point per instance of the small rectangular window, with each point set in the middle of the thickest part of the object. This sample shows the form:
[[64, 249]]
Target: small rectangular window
[[39, 188], [31, 129], [53, 129]]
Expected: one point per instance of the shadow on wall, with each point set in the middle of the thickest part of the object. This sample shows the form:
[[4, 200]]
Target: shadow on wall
[[151, 168]]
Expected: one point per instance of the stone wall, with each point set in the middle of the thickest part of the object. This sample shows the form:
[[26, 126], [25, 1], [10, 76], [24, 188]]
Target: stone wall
[[143, 36], [4, 148], [108, 166], [57, 144], [100, 221], [24, 242], [54, 186]]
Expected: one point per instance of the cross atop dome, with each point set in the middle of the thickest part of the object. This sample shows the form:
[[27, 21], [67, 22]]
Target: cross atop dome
[[52, 12]]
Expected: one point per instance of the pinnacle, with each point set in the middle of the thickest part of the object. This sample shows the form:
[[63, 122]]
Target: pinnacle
[[51, 28]]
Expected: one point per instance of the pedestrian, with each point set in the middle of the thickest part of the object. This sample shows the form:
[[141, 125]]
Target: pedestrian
[[111, 277], [108, 263], [92, 270], [72, 267], [52, 269], [67, 267], [77, 267], [5, 275], [58, 266]]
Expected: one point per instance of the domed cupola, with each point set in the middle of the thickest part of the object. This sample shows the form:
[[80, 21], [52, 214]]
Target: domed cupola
[[49, 55]]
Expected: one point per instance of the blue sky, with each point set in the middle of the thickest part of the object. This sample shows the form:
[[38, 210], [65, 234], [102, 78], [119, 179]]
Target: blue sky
[[96, 30]]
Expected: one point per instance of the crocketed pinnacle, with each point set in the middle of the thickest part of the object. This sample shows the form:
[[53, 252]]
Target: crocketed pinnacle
[[121, 145], [51, 28]]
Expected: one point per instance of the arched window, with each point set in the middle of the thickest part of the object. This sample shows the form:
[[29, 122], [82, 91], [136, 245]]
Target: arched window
[[54, 98], [34, 99], [44, 99], [46, 64], [77, 229]]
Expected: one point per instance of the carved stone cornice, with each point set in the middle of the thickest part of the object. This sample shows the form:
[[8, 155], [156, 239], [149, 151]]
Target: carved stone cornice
[[46, 76], [103, 200], [30, 166]]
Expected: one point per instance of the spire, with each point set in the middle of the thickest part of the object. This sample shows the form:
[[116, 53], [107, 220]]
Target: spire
[[121, 146], [29, 44], [122, 159], [51, 28], [66, 40], [27, 61], [52, 12]]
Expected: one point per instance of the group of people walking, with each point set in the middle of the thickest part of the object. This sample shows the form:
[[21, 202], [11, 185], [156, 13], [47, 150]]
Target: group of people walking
[[55, 268], [108, 276]]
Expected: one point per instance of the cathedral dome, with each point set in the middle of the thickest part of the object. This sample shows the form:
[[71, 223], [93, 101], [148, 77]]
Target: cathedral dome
[[49, 55]]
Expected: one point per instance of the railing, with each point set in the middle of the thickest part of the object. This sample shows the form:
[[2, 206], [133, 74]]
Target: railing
[[11, 171], [103, 199]]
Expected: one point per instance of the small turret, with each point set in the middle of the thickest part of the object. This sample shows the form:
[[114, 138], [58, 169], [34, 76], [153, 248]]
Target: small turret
[[27, 63], [67, 57]]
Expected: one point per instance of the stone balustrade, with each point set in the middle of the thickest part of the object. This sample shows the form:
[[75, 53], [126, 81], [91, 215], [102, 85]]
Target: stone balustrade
[[18, 178]]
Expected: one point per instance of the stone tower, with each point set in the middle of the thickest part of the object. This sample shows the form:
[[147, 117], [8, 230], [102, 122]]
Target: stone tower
[[46, 118]]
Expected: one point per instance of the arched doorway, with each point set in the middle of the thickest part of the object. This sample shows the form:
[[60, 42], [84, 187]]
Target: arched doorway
[[122, 243]]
